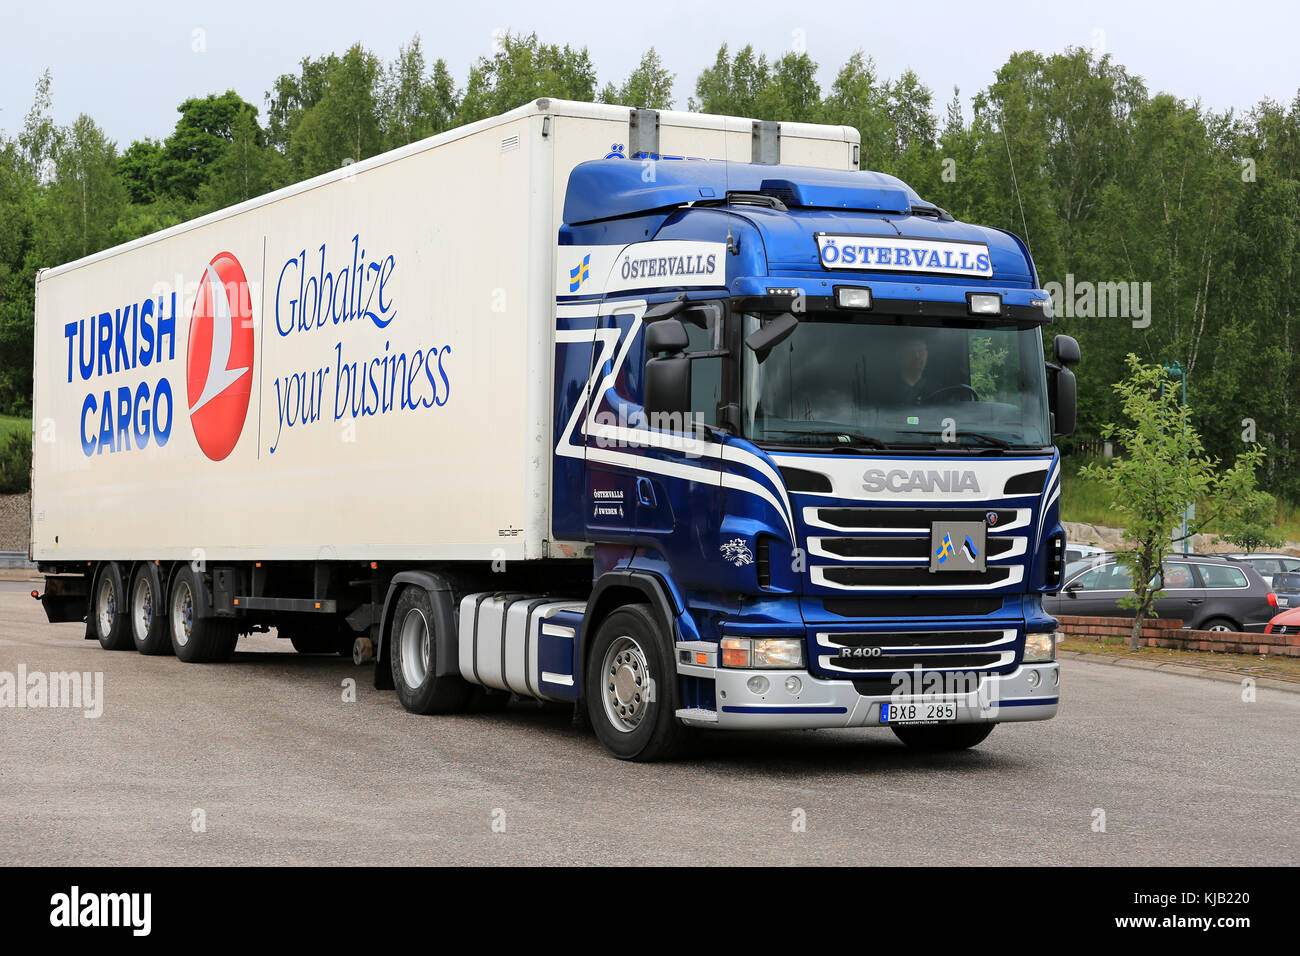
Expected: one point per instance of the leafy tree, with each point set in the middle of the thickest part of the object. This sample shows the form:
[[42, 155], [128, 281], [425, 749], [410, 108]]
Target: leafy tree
[[522, 70], [1254, 526], [202, 135], [732, 87], [81, 205], [246, 169], [859, 99], [343, 124], [1165, 468], [415, 104], [649, 86], [791, 92]]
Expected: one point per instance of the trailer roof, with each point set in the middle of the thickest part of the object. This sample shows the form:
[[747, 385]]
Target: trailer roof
[[542, 106]]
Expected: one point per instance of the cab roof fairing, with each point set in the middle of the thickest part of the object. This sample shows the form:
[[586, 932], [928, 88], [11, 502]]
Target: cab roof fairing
[[818, 200]]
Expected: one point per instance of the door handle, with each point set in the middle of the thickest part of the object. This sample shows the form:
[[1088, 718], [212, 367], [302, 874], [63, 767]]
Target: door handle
[[645, 492], [1196, 601]]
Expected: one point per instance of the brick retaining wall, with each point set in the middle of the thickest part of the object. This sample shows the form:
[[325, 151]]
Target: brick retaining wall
[[1166, 632]]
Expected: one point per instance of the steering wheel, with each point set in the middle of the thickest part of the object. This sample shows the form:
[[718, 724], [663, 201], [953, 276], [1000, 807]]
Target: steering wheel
[[974, 395]]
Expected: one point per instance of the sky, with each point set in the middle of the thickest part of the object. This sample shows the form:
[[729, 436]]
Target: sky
[[130, 64]]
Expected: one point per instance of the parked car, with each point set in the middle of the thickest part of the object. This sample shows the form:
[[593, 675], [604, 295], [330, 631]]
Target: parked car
[[1267, 564], [1083, 552], [1286, 585], [1288, 622], [1206, 592]]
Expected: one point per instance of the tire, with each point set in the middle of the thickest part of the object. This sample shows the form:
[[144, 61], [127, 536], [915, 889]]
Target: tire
[[148, 612], [935, 739], [631, 687], [412, 654], [1219, 624], [195, 639], [108, 609]]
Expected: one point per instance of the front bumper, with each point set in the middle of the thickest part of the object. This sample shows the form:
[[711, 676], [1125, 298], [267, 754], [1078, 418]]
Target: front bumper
[[837, 703]]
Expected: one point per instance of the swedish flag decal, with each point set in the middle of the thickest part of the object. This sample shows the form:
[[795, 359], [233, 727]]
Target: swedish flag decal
[[578, 274]]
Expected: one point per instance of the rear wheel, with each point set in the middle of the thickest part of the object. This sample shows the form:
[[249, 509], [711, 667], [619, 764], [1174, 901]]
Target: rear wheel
[[936, 738], [413, 656], [1220, 624], [148, 612], [631, 687], [197, 639], [109, 607]]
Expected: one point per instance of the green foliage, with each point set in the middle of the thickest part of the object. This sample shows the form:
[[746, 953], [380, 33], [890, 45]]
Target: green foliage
[[1164, 469], [1107, 183], [524, 69], [1253, 526], [15, 460], [650, 85]]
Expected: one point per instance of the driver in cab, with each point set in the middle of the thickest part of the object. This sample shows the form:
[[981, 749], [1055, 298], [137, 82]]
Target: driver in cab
[[911, 384]]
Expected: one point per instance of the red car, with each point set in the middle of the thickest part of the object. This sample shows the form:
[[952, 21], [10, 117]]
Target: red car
[[1288, 622]]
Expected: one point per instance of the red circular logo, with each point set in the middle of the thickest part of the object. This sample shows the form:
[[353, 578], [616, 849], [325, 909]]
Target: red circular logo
[[219, 362]]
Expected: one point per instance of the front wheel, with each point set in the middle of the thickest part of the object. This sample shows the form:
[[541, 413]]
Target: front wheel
[[631, 687], [941, 737]]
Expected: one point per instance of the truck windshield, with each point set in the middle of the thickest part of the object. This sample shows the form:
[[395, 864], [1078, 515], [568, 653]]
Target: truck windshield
[[843, 379]]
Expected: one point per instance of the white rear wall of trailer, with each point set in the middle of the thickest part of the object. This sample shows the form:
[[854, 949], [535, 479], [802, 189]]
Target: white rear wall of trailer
[[470, 220]]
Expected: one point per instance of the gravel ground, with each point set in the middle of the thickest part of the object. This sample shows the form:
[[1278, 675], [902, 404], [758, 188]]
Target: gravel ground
[[15, 519]]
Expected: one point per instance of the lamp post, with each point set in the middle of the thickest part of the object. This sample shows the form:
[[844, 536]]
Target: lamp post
[[1189, 511]]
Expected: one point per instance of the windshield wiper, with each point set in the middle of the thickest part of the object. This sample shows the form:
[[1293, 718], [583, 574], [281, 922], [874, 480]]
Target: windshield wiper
[[980, 436], [843, 439]]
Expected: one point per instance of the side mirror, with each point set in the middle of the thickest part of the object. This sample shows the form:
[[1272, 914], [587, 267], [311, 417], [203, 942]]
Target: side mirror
[[668, 387], [665, 310], [1065, 402], [771, 334], [1066, 350], [667, 335]]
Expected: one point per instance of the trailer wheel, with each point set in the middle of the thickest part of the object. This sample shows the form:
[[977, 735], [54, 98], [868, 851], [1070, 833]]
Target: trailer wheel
[[109, 609], [197, 639], [149, 630], [631, 687], [941, 737], [412, 653]]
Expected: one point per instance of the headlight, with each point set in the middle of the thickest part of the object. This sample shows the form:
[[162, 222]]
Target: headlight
[[1040, 648], [762, 652]]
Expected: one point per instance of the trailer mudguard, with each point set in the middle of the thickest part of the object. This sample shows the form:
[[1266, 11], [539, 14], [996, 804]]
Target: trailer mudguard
[[443, 598]]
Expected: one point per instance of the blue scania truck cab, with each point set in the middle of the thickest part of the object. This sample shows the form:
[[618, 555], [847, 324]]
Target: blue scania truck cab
[[804, 428]]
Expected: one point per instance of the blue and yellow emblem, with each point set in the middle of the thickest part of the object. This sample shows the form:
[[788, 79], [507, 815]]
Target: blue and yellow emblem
[[578, 274]]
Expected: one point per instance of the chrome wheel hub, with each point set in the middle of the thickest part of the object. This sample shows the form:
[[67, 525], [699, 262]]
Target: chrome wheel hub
[[627, 684], [183, 613], [417, 648], [106, 605]]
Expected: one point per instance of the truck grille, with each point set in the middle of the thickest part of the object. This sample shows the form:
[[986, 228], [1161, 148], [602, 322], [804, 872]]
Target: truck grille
[[886, 652], [875, 549]]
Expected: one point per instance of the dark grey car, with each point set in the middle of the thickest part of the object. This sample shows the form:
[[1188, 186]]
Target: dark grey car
[[1205, 592]]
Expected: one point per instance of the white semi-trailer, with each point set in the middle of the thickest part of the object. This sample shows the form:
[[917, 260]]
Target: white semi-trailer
[[437, 408]]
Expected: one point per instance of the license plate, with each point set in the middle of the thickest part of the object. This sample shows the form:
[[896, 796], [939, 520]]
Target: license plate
[[1283, 602], [936, 713]]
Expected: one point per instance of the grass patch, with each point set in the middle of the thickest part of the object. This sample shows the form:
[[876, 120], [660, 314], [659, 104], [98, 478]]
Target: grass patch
[[1090, 502], [1247, 665], [10, 423], [1086, 501]]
